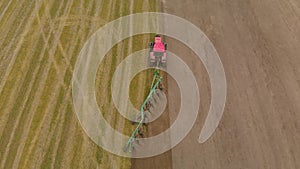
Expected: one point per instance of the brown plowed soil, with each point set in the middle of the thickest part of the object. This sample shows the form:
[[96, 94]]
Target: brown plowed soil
[[258, 43]]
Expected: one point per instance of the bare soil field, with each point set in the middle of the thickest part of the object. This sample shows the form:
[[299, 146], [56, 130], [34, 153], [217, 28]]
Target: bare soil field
[[258, 43]]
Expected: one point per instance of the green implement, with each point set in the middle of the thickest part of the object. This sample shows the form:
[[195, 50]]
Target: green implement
[[154, 85]]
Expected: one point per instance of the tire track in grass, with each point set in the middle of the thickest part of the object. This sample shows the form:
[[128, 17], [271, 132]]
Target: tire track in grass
[[4, 56], [119, 123], [105, 71], [4, 4], [12, 14], [77, 145], [74, 127], [61, 150], [11, 34], [12, 87], [17, 47], [25, 116], [13, 114], [71, 51], [71, 121], [21, 119], [7, 135], [6, 95], [56, 115], [87, 143], [32, 109], [54, 125], [81, 35], [112, 160], [63, 136], [35, 151], [116, 58], [51, 116], [30, 114]]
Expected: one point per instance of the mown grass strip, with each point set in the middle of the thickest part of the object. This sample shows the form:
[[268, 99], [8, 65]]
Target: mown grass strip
[[64, 135], [19, 99]]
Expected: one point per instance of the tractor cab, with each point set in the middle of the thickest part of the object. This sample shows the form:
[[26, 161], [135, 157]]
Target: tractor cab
[[158, 55]]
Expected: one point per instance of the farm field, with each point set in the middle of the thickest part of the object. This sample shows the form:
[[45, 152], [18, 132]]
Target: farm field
[[40, 42], [258, 44]]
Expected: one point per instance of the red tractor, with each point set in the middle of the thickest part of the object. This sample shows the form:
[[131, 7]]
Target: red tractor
[[158, 55]]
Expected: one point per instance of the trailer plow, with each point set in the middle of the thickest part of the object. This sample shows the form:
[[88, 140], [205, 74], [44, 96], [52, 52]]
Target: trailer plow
[[157, 58]]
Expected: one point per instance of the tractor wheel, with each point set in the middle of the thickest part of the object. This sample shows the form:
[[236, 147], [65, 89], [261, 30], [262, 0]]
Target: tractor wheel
[[151, 45], [163, 64]]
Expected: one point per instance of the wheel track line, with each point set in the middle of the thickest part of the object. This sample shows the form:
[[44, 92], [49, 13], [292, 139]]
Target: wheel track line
[[8, 23], [5, 9], [18, 80], [16, 51], [86, 142], [98, 10], [51, 55], [33, 108], [46, 39], [23, 106], [59, 126], [69, 68], [11, 136], [121, 120], [5, 79], [69, 148], [140, 88], [15, 90], [47, 115], [74, 20], [54, 127], [141, 80], [110, 117], [85, 150], [7, 29], [71, 51], [114, 160]]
